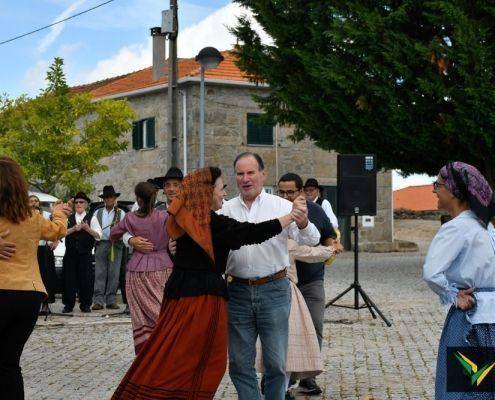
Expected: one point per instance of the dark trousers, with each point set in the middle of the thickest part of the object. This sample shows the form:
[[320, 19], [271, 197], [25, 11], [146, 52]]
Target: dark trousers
[[123, 270], [78, 275], [18, 315], [46, 261]]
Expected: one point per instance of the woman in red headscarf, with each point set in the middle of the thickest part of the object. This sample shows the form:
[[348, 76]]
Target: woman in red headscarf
[[186, 355]]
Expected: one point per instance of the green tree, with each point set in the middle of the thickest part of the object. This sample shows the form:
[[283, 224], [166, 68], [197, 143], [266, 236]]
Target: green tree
[[412, 81], [59, 137]]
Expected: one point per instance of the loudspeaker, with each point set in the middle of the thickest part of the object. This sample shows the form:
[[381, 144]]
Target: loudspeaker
[[356, 184]]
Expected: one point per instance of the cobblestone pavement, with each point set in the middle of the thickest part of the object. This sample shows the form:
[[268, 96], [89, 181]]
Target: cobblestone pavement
[[85, 356]]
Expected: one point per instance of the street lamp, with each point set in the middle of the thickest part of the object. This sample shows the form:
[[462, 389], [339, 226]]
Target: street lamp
[[208, 58]]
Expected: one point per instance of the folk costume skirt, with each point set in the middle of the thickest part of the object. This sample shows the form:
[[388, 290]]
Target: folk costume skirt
[[303, 352], [186, 355], [458, 332], [144, 295]]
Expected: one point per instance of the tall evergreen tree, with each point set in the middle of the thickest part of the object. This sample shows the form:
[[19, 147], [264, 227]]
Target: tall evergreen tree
[[412, 81]]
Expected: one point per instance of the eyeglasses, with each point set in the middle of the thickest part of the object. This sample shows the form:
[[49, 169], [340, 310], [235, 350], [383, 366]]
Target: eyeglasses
[[289, 193], [436, 184], [79, 202]]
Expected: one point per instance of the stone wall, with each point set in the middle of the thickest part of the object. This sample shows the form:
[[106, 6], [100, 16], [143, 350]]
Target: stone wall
[[226, 109]]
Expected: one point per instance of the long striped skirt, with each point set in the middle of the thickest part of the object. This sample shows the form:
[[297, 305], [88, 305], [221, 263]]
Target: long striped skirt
[[458, 332], [144, 295], [186, 355]]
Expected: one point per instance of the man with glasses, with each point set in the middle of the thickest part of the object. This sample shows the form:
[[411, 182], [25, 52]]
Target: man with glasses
[[78, 261], [311, 275]]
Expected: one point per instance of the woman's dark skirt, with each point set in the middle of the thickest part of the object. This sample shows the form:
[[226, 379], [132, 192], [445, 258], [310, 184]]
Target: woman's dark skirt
[[186, 355], [458, 332], [46, 261]]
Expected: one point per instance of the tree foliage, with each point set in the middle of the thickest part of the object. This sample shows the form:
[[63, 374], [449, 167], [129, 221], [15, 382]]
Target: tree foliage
[[59, 137], [412, 81]]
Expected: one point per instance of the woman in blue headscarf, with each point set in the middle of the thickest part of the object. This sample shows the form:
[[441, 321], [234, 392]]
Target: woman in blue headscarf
[[460, 268]]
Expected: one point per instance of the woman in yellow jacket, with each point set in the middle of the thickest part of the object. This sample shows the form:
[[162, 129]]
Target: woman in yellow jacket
[[21, 287]]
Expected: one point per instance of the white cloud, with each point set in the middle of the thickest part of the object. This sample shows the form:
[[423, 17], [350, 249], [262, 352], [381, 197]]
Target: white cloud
[[56, 30], [129, 58], [211, 31], [399, 182], [34, 78], [214, 31]]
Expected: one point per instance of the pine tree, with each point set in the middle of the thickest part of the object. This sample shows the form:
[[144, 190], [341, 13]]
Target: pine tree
[[412, 81]]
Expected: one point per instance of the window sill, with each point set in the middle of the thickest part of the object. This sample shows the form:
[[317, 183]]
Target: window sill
[[260, 145], [146, 148]]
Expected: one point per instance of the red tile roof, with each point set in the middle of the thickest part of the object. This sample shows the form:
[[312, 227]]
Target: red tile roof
[[415, 198], [187, 67]]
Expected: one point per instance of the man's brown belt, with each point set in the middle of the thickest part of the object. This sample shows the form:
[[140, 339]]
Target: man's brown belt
[[261, 281]]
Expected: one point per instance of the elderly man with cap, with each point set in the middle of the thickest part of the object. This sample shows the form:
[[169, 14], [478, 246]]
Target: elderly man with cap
[[312, 190], [108, 255], [78, 263]]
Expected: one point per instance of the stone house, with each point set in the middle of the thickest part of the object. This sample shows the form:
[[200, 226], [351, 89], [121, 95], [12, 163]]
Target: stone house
[[230, 128]]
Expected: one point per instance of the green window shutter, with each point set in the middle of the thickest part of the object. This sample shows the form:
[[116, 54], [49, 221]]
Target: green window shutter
[[257, 132], [136, 137], [150, 132]]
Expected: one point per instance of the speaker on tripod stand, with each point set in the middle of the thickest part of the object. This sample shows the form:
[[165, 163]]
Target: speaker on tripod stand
[[356, 195]]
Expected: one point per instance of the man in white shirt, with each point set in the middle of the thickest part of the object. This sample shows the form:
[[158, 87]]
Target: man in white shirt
[[108, 255], [312, 190], [259, 291]]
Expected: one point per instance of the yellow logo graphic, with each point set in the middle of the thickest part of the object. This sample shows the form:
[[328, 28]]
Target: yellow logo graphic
[[471, 369]]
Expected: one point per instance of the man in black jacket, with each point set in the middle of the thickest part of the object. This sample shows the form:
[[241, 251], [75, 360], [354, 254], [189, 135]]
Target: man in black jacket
[[78, 259]]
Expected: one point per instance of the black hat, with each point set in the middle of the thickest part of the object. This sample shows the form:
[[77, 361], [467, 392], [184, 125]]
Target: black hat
[[81, 195], [153, 182], [312, 182], [108, 191], [172, 173]]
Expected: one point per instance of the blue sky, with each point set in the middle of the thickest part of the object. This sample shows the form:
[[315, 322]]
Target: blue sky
[[109, 41], [87, 41]]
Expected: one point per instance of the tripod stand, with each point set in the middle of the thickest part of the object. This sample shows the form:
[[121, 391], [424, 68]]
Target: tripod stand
[[358, 290]]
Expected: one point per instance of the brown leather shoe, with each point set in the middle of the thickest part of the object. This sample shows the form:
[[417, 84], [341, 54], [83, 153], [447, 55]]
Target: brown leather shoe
[[97, 307], [113, 306]]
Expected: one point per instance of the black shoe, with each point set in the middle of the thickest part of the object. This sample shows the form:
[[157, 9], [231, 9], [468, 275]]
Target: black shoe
[[289, 395], [45, 310], [67, 310], [308, 386], [85, 309]]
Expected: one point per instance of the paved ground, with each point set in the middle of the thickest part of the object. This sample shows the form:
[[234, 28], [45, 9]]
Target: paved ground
[[84, 357]]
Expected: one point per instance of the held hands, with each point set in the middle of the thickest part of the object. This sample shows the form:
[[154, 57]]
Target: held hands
[[337, 246], [300, 212], [7, 249], [464, 299], [172, 246], [53, 245], [141, 244]]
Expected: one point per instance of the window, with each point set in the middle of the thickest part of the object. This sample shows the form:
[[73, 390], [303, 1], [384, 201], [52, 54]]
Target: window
[[269, 189], [258, 132], [143, 134]]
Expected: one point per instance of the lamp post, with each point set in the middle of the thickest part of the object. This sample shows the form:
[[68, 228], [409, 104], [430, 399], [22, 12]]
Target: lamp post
[[208, 58]]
